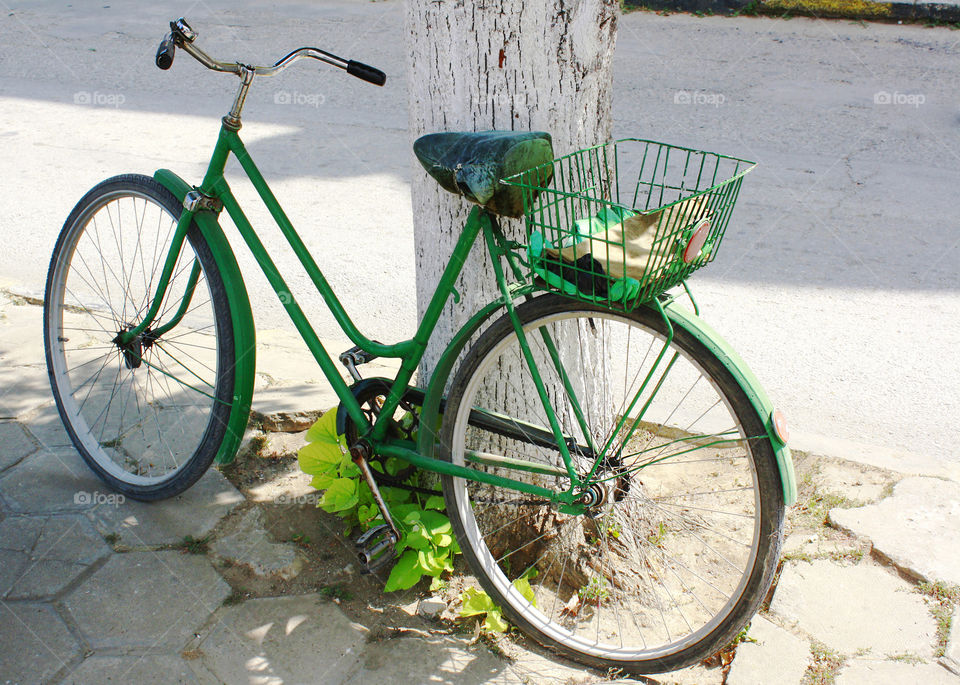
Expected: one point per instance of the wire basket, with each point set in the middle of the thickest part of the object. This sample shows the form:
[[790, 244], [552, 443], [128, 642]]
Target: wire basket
[[626, 220]]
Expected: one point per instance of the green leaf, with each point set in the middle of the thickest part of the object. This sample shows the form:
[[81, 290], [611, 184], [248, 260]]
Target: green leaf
[[523, 587], [435, 502], [322, 481], [416, 538], [475, 602], [405, 573], [340, 496], [495, 622], [324, 449], [432, 564], [325, 429], [435, 522], [395, 466], [347, 468], [442, 540]]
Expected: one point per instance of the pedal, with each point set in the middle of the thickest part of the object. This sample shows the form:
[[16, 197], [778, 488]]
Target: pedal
[[376, 548], [353, 358]]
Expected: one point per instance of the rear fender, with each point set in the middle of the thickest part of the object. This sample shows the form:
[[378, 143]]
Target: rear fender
[[698, 328]]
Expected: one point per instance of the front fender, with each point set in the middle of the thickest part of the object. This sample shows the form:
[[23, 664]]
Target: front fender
[[698, 328], [240, 313]]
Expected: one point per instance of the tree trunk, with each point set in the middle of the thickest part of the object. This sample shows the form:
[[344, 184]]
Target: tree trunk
[[508, 65]]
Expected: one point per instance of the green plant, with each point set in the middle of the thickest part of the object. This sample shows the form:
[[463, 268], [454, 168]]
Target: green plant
[[594, 591], [426, 546], [300, 540], [235, 597], [335, 592], [192, 545], [825, 665], [477, 602], [941, 599], [656, 538], [749, 10]]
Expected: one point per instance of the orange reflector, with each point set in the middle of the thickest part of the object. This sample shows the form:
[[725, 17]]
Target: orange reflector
[[699, 237], [780, 426]]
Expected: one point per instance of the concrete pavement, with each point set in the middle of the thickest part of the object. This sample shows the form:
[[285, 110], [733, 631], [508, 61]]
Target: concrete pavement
[[204, 588]]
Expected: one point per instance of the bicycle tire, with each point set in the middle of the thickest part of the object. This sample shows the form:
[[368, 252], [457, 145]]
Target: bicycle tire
[[663, 597], [152, 416]]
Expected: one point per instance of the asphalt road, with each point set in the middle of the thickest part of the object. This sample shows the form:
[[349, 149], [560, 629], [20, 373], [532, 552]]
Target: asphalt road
[[837, 280]]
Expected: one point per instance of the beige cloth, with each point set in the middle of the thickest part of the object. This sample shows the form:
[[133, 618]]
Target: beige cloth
[[623, 249]]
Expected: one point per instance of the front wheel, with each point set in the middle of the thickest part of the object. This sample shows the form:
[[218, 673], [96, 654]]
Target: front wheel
[[680, 542], [148, 416]]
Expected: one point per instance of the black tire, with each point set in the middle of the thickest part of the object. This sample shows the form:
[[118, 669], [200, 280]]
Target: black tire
[[649, 586], [149, 419]]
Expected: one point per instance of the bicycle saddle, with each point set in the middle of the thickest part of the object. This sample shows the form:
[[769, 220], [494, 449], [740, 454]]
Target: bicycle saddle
[[472, 164]]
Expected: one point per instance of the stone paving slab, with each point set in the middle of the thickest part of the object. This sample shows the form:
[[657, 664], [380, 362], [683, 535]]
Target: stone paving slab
[[16, 444], [36, 642], [247, 544], [299, 639], [46, 427], [193, 513], [776, 657], [142, 670], [51, 481], [437, 659], [41, 556], [915, 528], [867, 672], [146, 600], [855, 608]]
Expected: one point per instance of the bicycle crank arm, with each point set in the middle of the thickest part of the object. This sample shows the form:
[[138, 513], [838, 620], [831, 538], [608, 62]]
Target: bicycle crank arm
[[374, 554]]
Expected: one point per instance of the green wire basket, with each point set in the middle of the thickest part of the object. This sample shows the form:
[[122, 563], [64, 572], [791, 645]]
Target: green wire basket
[[624, 221]]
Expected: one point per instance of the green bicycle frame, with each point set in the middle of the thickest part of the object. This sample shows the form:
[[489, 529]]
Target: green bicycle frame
[[410, 352]]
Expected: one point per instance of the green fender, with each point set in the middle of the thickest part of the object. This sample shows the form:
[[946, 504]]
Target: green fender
[[242, 317], [679, 317], [698, 328]]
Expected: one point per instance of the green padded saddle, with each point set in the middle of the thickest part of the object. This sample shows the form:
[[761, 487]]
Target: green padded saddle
[[472, 164]]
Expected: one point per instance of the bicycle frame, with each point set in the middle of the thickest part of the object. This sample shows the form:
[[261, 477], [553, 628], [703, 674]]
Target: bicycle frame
[[410, 351], [215, 189]]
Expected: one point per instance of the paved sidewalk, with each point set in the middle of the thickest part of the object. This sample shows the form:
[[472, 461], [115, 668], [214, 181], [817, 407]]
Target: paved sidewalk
[[204, 588]]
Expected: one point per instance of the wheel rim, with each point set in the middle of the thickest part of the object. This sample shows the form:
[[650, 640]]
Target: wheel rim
[[674, 559], [139, 412]]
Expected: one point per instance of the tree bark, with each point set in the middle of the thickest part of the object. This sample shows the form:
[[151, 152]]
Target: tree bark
[[507, 65]]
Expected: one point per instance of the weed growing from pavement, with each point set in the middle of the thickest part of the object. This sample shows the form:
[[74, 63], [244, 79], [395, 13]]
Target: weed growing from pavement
[[906, 658], [335, 593], [825, 665], [941, 599], [235, 597], [192, 545]]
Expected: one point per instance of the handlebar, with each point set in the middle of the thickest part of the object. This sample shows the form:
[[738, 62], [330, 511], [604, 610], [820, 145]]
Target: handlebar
[[183, 36]]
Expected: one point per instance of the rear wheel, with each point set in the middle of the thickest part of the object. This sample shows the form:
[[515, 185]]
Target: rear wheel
[[681, 542], [147, 416]]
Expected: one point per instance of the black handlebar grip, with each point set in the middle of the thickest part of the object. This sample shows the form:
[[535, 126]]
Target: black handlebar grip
[[166, 52], [366, 72]]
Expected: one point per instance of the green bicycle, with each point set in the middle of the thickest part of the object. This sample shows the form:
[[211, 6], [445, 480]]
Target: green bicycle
[[596, 439]]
